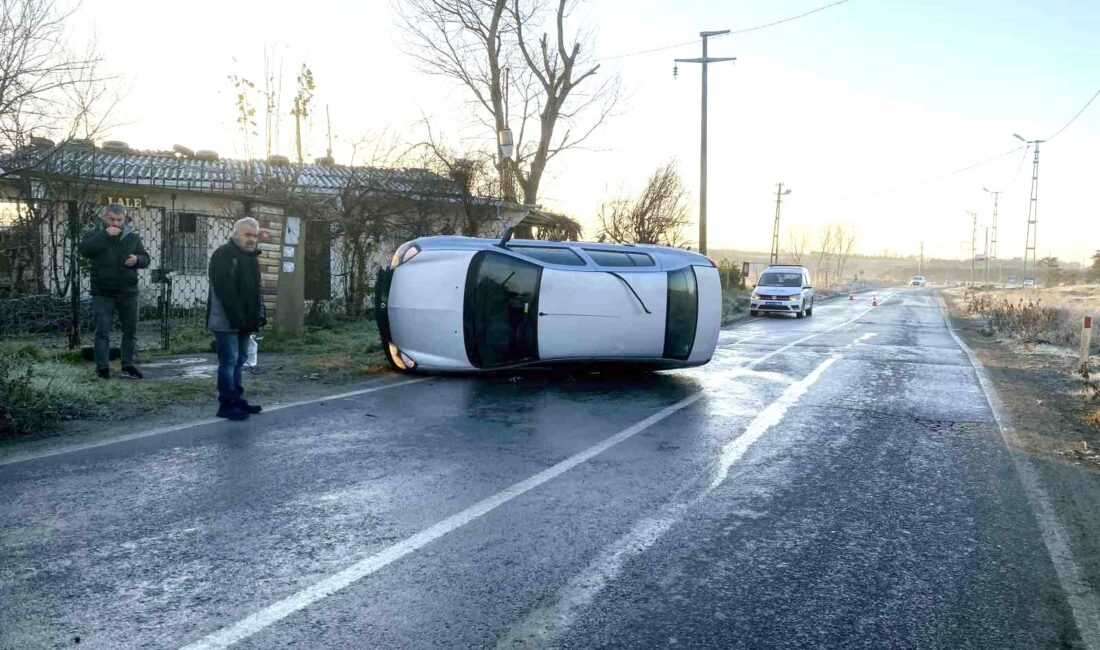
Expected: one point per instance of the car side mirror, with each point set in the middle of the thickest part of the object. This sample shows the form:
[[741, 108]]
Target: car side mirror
[[807, 287], [754, 286]]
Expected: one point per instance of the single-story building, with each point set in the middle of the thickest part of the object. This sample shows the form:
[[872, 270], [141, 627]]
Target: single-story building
[[325, 228]]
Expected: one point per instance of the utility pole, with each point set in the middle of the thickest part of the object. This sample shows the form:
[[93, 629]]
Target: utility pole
[[987, 254], [1032, 210], [704, 60], [779, 194], [973, 242], [993, 242]]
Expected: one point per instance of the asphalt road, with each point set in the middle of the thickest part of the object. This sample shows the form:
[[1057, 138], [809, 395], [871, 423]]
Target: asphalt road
[[837, 481]]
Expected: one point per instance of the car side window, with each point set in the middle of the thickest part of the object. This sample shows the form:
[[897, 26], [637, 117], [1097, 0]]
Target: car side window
[[550, 255], [618, 258]]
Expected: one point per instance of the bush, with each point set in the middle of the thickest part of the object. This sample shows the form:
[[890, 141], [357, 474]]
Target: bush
[[31, 402]]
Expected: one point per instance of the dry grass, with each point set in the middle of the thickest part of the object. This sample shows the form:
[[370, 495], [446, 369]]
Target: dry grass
[[1052, 315]]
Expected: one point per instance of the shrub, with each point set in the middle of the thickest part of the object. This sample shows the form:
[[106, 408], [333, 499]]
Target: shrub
[[31, 401]]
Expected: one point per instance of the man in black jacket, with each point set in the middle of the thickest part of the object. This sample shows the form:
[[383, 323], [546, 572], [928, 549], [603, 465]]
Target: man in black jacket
[[234, 310], [116, 254]]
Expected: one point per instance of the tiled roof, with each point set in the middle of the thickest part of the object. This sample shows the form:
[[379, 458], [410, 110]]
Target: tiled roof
[[246, 177]]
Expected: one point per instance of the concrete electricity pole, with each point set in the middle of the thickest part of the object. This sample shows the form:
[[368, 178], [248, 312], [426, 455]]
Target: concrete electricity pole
[[779, 194], [987, 254], [993, 242], [703, 137], [1032, 210]]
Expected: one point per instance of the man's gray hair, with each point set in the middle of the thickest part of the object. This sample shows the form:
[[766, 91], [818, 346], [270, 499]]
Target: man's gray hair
[[247, 221], [114, 208]]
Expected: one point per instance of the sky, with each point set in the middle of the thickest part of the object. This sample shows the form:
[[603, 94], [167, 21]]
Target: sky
[[864, 110]]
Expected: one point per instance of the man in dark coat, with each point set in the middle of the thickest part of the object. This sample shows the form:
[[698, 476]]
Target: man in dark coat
[[234, 310], [116, 254]]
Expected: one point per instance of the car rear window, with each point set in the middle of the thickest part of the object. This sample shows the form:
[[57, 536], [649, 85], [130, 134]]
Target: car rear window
[[617, 258], [550, 255]]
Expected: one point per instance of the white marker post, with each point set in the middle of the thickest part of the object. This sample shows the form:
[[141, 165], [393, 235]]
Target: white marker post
[[1086, 340]]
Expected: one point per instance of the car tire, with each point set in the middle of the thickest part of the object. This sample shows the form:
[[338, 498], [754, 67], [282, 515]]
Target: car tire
[[801, 312], [810, 311], [753, 312]]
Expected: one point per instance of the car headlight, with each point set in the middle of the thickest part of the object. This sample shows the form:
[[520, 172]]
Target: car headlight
[[755, 296], [400, 359], [794, 298], [403, 254]]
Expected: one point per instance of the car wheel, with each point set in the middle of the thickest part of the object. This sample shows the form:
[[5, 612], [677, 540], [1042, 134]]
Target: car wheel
[[753, 312], [810, 311], [801, 312]]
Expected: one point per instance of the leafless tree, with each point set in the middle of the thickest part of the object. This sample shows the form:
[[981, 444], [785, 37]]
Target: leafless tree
[[659, 215], [539, 84], [46, 86], [798, 241], [835, 245], [845, 241]]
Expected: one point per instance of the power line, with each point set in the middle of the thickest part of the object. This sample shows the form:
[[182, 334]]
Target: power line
[[934, 178], [1074, 118], [787, 20], [736, 31], [1023, 159]]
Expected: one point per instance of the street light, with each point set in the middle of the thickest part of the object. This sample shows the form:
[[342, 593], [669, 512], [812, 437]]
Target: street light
[[779, 194], [1032, 208]]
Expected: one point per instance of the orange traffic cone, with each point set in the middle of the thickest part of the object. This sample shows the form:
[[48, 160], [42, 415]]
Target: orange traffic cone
[[851, 295], [874, 301]]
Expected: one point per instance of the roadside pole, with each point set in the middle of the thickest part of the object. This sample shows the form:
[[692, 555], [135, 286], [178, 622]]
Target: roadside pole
[[1086, 341]]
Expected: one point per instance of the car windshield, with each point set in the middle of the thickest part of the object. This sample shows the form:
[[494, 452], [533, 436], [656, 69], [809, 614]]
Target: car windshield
[[777, 279]]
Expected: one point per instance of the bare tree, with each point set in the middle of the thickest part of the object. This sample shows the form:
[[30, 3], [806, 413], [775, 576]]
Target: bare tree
[[659, 215], [845, 241], [798, 241], [39, 73], [493, 49]]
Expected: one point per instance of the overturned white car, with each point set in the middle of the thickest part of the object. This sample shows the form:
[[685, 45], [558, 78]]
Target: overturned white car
[[460, 304]]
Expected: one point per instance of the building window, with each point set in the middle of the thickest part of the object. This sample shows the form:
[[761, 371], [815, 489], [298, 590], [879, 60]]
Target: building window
[[188, 244]]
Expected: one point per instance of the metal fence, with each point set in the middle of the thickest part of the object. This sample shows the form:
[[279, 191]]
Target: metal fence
[[44, 284]]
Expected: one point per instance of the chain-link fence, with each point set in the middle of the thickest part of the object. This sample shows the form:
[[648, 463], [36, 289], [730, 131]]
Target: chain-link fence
[[44, 284]]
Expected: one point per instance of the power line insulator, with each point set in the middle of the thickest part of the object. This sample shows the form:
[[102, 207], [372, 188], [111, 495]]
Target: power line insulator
[[675, 71]]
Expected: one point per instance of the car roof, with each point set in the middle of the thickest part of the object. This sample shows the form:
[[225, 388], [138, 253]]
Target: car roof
[[784, 267], [667, 258]]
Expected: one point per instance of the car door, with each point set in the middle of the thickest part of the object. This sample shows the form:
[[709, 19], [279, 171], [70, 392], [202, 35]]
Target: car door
[[601, 314]]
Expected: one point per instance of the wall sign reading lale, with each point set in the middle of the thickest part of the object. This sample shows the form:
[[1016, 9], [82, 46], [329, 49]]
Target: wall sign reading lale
[[127, 200]]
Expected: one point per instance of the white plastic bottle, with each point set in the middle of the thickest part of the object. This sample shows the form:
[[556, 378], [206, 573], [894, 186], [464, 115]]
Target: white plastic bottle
[[253, 349]]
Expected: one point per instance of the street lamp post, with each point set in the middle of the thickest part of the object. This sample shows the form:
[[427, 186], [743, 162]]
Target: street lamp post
[[1032, 209], [779, 194], [704, 60]]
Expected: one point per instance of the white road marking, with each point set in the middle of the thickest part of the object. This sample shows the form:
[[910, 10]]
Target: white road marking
[[865, 337], [275, 612], [768, 418], [542, 625], [788, 346], [197, 423], [1083, 599]]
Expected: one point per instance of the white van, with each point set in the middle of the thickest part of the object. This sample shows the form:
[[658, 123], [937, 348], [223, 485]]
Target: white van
[[783, 289]]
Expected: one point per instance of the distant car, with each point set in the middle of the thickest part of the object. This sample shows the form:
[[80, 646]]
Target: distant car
[[461, 304], [1030, 282], [917, 281], [784, 290]]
